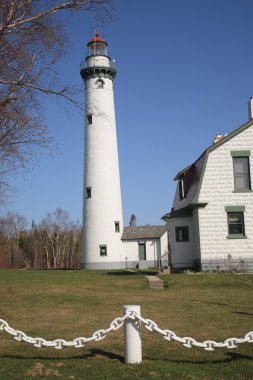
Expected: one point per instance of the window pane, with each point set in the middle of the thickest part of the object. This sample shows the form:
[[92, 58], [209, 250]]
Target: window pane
[[89, 118], [241, 181], [181, 188], [117, 229], [103, 250], [88, 192], [241, 164], [235, 229], [182, 234], [235, 217], [241, 172], [235, 223]]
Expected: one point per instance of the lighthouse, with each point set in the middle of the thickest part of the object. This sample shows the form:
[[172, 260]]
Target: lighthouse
[[102, 211]]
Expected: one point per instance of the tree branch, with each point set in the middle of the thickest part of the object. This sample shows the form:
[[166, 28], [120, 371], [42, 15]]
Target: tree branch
[[69, 5]]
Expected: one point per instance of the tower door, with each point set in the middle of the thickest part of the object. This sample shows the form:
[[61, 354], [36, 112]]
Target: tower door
[[142, 251]]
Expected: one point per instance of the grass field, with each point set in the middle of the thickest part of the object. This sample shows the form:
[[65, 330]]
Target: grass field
[[69, 304]]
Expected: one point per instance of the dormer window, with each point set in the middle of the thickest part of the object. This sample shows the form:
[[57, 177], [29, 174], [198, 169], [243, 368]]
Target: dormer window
[[181, 188]]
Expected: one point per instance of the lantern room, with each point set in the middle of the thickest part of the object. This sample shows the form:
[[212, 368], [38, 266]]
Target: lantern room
[[97, 46], [98, 62]]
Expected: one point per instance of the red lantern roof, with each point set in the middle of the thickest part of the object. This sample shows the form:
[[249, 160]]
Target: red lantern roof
[[97, 38]]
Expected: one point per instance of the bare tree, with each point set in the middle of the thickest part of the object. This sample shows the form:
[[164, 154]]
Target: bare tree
[[54, 243], [60, 239], [32, 40], [11, 226]]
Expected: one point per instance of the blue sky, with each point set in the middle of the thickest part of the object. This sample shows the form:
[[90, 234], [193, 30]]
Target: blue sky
[[184, 74]]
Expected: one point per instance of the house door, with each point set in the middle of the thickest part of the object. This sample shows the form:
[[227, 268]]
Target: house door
[[142, 251]]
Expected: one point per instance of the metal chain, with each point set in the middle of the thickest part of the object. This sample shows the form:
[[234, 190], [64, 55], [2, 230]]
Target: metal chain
[[59, 344], [117, 323], [208, 345]]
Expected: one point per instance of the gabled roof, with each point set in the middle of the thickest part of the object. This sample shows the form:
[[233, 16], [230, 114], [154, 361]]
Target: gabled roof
[[191, 178], [193, 175], [143, 232]]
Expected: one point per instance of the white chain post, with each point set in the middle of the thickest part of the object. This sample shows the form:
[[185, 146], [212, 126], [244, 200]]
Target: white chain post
[[132, 324], [132, 336]]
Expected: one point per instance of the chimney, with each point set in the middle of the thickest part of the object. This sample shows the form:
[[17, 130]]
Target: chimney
[[217, 138], [250, 108]]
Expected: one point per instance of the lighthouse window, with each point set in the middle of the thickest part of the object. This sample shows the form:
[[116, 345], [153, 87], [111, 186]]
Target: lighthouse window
[[88, 192], [117, 228], [103, 250], [89, 118], [100, 83]]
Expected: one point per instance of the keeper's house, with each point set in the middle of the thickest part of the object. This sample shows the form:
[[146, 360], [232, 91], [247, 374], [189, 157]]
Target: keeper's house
[[211, 220]]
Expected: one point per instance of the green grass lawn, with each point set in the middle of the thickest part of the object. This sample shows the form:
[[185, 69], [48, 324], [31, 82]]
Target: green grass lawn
[[69, 304]]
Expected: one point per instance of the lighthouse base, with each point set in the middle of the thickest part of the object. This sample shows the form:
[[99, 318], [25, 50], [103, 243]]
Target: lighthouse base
[[107, 265], [142, 264]]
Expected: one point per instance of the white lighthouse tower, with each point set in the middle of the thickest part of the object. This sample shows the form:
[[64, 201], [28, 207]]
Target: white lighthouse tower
[[102, 214]]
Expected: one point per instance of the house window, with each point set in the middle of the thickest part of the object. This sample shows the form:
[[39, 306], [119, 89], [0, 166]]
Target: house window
[[88, 192], [89, 118], [182, 234], [181, 189], [241, 173], [235, 224], [241, 168], [235, 220], [117, 228], [142, 251], [103, 250]]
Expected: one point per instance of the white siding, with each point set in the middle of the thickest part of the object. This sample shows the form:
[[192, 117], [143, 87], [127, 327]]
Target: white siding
[[164, 248], [131, 252], [217, 190], [195, 219], [182, 253], [154, 247]]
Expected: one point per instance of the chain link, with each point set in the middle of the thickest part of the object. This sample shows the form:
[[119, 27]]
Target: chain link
[[59, 344], [117, 323], [208, 345]]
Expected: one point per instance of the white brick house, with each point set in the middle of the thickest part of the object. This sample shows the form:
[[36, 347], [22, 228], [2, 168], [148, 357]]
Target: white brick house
[[211, 220]]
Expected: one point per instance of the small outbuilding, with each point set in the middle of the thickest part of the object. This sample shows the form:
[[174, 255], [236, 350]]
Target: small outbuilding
[[145, 246]]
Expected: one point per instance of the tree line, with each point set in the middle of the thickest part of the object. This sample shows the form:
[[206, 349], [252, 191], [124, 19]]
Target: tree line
[[54, 243]]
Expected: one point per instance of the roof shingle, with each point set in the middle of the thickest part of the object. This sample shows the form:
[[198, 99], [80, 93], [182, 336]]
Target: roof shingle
[[143, 232]]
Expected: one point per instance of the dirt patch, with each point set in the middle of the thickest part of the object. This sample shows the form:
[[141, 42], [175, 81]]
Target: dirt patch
[[41, 370]]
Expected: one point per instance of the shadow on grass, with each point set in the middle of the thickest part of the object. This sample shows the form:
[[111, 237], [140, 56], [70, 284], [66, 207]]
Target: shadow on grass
[[241, 312], [91, 354], [95, 353], [230, 357], [223, 304], [130, 273]]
